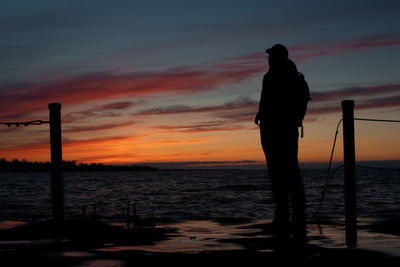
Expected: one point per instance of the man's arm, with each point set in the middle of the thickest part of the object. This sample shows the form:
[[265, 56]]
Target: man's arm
[[258, 117]]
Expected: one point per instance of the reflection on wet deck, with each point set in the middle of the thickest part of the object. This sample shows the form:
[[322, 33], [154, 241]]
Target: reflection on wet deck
[[203, 236]]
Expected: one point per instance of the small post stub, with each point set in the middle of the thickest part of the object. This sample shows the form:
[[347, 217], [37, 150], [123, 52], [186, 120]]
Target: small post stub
[[349, 173], [57, 183]]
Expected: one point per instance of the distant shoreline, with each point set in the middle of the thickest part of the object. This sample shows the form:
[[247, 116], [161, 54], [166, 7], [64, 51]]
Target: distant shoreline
[[68, 166], [16, 165]]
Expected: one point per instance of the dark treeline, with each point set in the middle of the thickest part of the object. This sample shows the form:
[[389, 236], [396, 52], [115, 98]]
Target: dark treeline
[[16, 165]]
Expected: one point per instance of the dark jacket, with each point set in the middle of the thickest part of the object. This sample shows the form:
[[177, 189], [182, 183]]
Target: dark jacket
[[279, 98]]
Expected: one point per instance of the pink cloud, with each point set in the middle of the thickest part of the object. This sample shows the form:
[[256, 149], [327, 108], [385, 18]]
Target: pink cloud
[[95, 128], [238, 104], [89, 88], [383, 102], [241, 110], [361, 104], [107, 110], [305, 53], [115, 106], [356, 91], [18, 101], [210, 126]]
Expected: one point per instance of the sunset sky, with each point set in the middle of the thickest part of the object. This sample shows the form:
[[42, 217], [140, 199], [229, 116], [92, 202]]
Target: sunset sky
[[173, 81]]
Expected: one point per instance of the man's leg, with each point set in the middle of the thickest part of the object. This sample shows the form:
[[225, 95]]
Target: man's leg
[[279, 184], [282, 215], [296, 191], [299, 220]]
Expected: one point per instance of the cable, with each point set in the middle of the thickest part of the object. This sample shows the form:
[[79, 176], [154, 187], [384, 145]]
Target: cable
[[362, 119], [334, 144], [328, 176], [376, 120], [25, 123]]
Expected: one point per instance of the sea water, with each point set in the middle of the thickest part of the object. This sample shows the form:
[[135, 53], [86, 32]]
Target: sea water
[[182, 195]]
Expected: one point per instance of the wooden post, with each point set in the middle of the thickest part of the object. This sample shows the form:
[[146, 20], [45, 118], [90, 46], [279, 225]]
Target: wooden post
[[57, 183], [349, 172]]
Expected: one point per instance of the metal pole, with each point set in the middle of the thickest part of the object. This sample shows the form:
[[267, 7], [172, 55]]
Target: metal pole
[[349, 172], [57, 183]]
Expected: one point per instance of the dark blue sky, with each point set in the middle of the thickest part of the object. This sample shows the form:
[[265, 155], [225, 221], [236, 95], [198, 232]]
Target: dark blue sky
[[83, 36]]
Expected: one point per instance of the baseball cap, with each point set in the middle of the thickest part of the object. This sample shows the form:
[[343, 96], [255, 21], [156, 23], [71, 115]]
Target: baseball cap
[[278, 50]]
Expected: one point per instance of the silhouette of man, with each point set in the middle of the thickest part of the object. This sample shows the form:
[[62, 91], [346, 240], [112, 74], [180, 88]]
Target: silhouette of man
[[281, 111]]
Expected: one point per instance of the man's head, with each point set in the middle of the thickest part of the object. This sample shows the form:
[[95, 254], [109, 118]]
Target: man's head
[[277, 53]]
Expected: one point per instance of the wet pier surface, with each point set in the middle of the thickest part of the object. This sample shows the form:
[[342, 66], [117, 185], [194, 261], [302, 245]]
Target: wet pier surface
[[86, 243]]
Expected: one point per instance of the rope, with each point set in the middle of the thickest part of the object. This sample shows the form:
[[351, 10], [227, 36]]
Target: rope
[[25, 123], [328, 176], [334, 144], [362, 119], [377, 120]]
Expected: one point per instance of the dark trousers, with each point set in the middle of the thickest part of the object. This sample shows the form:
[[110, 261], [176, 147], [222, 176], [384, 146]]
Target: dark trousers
[[280, 147]]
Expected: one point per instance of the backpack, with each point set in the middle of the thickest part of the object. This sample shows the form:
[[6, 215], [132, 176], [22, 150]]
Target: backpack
[[302, 97]]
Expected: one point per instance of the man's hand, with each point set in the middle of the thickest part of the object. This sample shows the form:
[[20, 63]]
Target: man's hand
[[257, 119]]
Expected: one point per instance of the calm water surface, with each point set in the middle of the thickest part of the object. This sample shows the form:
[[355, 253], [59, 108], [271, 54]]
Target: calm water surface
[[190, 194]]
